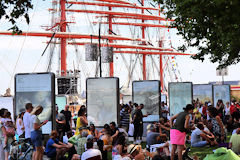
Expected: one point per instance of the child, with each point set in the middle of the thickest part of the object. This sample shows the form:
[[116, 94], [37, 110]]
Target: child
[[8, 124]]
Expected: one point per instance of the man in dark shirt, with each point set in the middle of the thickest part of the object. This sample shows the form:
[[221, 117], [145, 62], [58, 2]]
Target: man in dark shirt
[[114, 131], [68, 118]]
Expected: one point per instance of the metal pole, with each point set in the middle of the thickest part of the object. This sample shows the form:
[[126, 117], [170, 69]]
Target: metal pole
[[222, 79], [99, 48]]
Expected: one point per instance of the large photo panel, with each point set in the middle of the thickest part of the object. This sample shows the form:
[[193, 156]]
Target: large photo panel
[[7, 102], [180, 94], [148, 93], [221, 92], [38, 89], [102, 100], [203, 93]]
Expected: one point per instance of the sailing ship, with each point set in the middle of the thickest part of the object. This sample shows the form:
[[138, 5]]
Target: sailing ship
[[133, 35]]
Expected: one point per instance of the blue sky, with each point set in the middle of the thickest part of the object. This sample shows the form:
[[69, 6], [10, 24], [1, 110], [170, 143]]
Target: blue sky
[[24, 53]]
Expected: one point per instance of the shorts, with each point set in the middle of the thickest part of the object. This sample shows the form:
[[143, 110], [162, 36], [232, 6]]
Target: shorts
[[36, 138], [199, 144], [52, 153], [177, 137]]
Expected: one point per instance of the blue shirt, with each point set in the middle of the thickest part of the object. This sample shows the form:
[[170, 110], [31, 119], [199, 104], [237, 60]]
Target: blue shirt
[[49, 146]]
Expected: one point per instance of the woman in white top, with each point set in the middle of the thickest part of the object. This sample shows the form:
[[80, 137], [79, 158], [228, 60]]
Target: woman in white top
[[19, 124], [36, 132]]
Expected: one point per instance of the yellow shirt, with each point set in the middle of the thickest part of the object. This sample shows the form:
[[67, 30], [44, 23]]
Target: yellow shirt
[[79, 125], [198, 115]]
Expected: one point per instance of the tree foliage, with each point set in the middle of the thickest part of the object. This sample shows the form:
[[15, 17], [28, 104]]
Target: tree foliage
[[213, 26], [13, 10]]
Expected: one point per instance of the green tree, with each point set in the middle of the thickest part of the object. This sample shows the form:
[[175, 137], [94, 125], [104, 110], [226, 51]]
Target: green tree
[[213, 26], [13, 10]]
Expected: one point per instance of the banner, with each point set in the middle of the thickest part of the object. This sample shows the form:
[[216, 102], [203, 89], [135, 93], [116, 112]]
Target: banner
[[102, 100], [203, 92], [180, 94], [148, 93], [38, 89], [221, 92], [7, 102]]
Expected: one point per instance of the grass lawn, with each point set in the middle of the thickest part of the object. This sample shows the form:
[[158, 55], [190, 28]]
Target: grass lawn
[[197, 151]]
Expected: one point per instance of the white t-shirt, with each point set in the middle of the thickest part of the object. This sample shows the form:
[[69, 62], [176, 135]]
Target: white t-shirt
[[26, 122], [91, 153], [195, 136], [34, 119], [19, 127]]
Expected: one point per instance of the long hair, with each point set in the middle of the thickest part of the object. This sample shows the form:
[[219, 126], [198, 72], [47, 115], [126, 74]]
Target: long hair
[[34, 111]]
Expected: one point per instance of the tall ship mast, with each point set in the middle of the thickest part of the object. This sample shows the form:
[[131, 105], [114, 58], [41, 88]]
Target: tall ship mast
[[135, 32]]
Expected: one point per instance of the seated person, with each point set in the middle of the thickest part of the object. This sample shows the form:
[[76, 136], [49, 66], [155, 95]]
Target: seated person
[[198, 133], [136, 152], [81, 142], [152, 136], [163, 127], [90, 153], [54, 147], [234, 142], [114, 131]]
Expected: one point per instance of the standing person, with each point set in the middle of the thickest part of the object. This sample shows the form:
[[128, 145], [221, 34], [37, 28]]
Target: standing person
[[124, 117], [179, 129], [220, 108], [26, 121], [2, 132], [36, 132], [60, 124], [227, 112], [138, 122], [81, 120], [68, 118], [164, 110], [19, 124], [9, 126]]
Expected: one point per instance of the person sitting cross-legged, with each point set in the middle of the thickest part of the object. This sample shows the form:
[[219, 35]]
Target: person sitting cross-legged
[[54, 147], [200, 138]]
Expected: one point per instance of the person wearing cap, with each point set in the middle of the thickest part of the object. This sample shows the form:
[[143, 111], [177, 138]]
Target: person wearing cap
[[55, 148], [179, 129], [81, 142], [19, 124]]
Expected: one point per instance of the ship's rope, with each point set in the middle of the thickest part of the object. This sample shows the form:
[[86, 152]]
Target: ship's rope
[[21, 49]]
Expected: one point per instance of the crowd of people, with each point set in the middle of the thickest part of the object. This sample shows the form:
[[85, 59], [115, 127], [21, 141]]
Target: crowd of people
[[199, 125]]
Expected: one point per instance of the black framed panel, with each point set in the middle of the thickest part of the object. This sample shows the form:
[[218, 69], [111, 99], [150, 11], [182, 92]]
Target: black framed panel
[[38, 89], [102, 100], [148, 93], [221, 92], [203, 92], [180, 94]]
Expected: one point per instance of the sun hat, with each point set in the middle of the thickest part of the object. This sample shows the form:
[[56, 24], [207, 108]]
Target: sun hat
[[131, 148]]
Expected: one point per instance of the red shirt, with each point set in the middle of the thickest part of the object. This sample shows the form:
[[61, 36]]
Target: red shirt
[[232, 109]]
